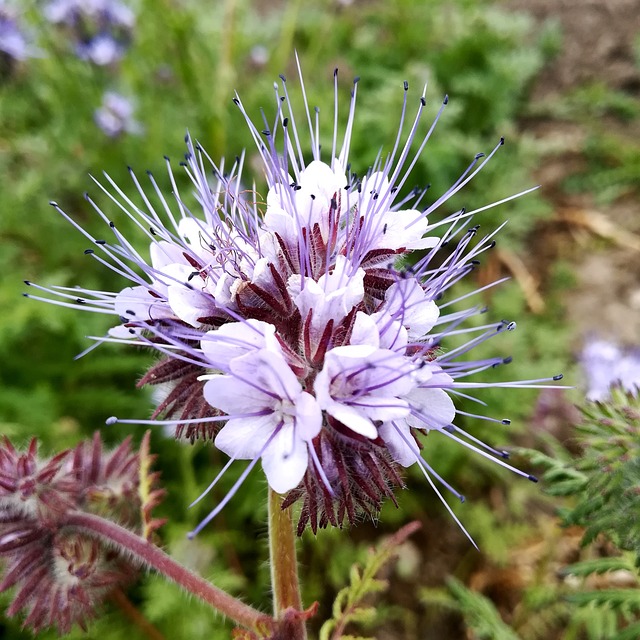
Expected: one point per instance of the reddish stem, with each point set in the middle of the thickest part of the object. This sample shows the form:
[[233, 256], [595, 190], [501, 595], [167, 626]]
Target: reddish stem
[[154, 557]]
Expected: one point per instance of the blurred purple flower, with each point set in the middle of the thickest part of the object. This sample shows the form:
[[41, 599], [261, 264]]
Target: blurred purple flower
[[606, 364], [13, 40], [115, 115], [101, 29]]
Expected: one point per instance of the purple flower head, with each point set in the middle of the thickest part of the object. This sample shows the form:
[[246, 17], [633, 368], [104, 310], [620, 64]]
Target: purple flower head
[[606, 364], [294, 331], [115, 115], [14, 44], [101, 29]]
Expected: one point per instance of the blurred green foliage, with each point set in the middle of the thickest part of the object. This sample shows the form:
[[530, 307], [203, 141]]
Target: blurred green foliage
[[185, 62]]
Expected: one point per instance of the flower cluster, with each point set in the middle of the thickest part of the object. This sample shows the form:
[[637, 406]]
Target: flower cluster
[[297, 332], [101, 29], [60, 575]]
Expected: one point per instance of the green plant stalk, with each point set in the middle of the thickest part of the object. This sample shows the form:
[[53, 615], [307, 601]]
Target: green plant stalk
[[152, 556], [284, 564]]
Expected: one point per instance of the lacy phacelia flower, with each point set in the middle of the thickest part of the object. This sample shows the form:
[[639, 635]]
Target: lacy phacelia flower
[[61, 575], [298, 323], [101, 29], [115, 115]]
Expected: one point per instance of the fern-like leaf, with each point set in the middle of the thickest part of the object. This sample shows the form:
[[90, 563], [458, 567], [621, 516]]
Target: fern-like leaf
[[349, 606]]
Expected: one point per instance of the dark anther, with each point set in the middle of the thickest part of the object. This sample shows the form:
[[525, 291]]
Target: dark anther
[[27, 282], [81, 301], [334, 204], [506, 422], [558, 377], [285, 122], [423, 102], [313, 197], [384, 229], [266, 132], [193, 274], [501, 143], [88, 251], [53, 203], [507, 360], [112, 224], [281, 76], [479, 155], [394, 189], [167, 158], [356, 80], [406, 86], [131, 313], [532, 478], [101, 242], [152, 231], [446, 100], [449, 428], [335, 72], [493, 244], [236, 101]]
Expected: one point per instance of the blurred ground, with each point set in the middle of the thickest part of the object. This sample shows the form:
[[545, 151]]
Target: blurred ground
[[599, 45], [601, 243]]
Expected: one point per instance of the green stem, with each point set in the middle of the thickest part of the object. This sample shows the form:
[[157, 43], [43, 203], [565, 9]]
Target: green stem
[[154, 557], [284, 564]]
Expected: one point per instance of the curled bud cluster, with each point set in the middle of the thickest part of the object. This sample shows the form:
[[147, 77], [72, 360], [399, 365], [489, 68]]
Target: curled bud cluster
[[61, 575]]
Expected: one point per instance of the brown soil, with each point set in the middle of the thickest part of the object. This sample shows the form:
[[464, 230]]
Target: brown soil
[[598, 41]]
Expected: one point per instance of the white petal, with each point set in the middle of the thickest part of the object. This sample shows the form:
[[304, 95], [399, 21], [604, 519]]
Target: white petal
[[353, 419], [236, 339], [190, 304], [137, 303], [400, 450], [285, 460], [234, 396], [308, 416], [365, 331], [269, 371], [164, 253], [433, 409], [245, 438]]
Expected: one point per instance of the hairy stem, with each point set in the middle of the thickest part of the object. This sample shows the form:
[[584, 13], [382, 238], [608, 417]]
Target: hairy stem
[[154, 557], [284, 564]]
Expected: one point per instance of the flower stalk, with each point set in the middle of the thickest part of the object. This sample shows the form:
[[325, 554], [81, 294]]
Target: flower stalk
[[284, 564], [152, 556]]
